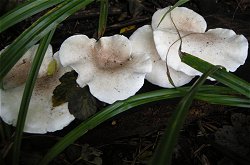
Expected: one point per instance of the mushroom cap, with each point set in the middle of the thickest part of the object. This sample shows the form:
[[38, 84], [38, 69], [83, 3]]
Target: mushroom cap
[[216, 46], [184, 19], [19, 73], [107, 66], [42, 117], [143, 43]]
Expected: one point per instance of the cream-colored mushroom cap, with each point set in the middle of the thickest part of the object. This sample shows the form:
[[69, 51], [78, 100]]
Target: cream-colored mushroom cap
[[183, 18], [18, 74], [107, 66], [143, 43], [42, 117], [216, 46]]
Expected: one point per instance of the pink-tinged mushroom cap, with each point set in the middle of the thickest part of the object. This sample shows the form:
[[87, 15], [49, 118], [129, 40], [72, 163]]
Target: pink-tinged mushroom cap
[[216, 46], [106, 66], [184, 19], [42, 117], [18, 74], [143, 43]]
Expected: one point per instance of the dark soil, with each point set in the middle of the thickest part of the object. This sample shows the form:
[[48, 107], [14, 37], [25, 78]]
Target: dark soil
[[131, 137]]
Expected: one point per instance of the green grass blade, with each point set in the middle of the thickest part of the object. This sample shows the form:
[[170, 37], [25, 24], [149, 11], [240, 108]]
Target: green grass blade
[[220, 75], [229, 100], [103, 18], [24, 11], [27, 95], [179, 3], [122, 106], [98, 118], [36, 31], [163, 153]]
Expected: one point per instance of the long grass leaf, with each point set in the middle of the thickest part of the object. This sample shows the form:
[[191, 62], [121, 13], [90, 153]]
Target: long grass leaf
[[229, 100], [122, 106], [24, 11], [163, 153], [220, 75], [103, 18], [27, 95], [36, 31]]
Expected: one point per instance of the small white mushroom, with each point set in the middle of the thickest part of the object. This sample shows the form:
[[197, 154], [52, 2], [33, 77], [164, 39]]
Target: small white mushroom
[[143, 43], [106, 66], [216, 46], [18, 74], [42, 117]]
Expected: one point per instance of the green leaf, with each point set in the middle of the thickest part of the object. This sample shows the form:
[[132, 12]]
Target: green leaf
[[220, 75], [24, 11], [179, 3], [81, 103], [36, 31], [103, 18], [163, 153], [27, 95], [63, 90], [236, 101], [52, 67], [122, 106]]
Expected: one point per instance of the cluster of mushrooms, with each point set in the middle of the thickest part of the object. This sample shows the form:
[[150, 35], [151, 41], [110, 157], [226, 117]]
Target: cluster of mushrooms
[[115, 67]]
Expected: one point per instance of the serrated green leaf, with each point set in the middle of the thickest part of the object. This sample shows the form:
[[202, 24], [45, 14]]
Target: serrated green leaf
[[80, 102], [63, 90]]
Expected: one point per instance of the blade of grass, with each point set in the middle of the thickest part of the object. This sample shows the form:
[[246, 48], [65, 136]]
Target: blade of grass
[[24, 11], [163, 153], [36, 31], [103, 18], [27, 95], [220, 75], [224, 100], [179, 3], [122, 106]]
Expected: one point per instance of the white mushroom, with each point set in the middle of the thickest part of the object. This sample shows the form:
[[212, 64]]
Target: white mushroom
[[183, 18], [217, 46], [143, 43], [42, 117], [18, 74], [107, 66]]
